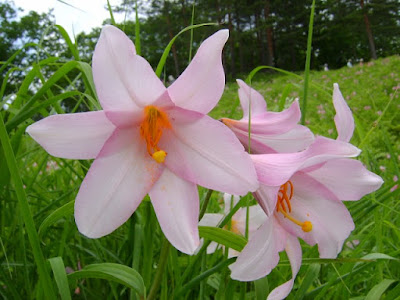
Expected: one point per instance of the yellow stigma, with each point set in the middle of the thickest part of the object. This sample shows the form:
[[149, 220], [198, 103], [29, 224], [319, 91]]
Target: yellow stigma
[[159, 156], [283, 206], [307, 226], [151, 129]]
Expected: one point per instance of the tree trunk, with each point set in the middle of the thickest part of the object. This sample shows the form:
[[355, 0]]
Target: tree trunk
[[369, 31], [232, 45], [270, 35]]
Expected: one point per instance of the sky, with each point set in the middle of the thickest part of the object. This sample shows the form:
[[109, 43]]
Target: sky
[[86, 15]]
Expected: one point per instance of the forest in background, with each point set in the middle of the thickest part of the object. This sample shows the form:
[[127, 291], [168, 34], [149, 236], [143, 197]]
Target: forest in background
[[262, 32]]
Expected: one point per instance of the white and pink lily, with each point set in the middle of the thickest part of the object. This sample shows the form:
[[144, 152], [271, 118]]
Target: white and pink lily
[[149, 140], [271, 132], [302, 194], [238, 221]]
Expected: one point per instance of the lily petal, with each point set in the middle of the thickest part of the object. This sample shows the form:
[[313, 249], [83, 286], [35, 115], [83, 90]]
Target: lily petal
[[105, 199], [261, 253], [293, 251], [297, 139], [124, 80], [277, 168], [211, 220], [207, 153], [348, 179], [344, 120], [331, 221], [74, 136], [247, 95], [201, 85], [176, 203], [266, 196], [268, 123]]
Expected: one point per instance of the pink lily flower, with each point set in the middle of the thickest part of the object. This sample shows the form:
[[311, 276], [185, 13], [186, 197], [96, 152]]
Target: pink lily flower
[[149, 140], [271, 132], [302, 194], [238, 221]]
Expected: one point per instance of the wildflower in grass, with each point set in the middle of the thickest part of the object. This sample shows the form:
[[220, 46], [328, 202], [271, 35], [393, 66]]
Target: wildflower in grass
[[271, 132], [149, 139], [302, 194], [238, 221]]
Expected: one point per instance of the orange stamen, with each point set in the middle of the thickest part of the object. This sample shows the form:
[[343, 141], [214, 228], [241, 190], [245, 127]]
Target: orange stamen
[[283, 206], [151, 130]]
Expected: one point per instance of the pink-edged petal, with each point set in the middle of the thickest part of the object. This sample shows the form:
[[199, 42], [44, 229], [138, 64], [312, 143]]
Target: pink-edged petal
[[277, 168], [115, 185], [268, 123], [207, 153], [74, 136], [124, 80], [261, 253], [293, 251], [250, 98], [266, 196], [344, 120], [294, 140], [201, 85], [331, 221], [176, 203], [348, 179]]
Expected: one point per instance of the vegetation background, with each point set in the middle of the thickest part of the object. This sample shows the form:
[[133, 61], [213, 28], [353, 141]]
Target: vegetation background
[[43, 71]]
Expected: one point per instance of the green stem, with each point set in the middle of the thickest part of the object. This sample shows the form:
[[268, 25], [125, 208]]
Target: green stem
[[160, 270], [205, 204], [307, 67], [26, 214]]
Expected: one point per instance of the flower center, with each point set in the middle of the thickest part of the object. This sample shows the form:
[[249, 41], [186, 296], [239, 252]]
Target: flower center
[[151, 129], [233, 227], [283, 205]]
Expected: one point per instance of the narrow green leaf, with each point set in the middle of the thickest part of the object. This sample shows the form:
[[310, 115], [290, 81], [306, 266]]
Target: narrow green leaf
[[285, 94], [163, 58], [307, 66], [394, 293], [26, 213], [67, 39], [57, 265], [262, 288], [25, 114], [111, 13], [377, 291], [115, 272], [203, 276], [311, 275], [64, 211], [223, 237]]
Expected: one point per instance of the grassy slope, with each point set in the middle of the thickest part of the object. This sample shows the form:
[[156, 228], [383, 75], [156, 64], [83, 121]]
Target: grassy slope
[[368, 89]]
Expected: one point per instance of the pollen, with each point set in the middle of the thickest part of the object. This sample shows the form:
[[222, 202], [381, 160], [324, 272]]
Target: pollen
[[283, 206], [151, 130], [159, 156]]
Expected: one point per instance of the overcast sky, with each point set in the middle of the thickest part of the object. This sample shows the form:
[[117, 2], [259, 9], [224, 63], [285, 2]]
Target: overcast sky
[[90, 13]]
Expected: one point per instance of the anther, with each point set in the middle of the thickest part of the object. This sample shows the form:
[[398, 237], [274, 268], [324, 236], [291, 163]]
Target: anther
[[283, 206]]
